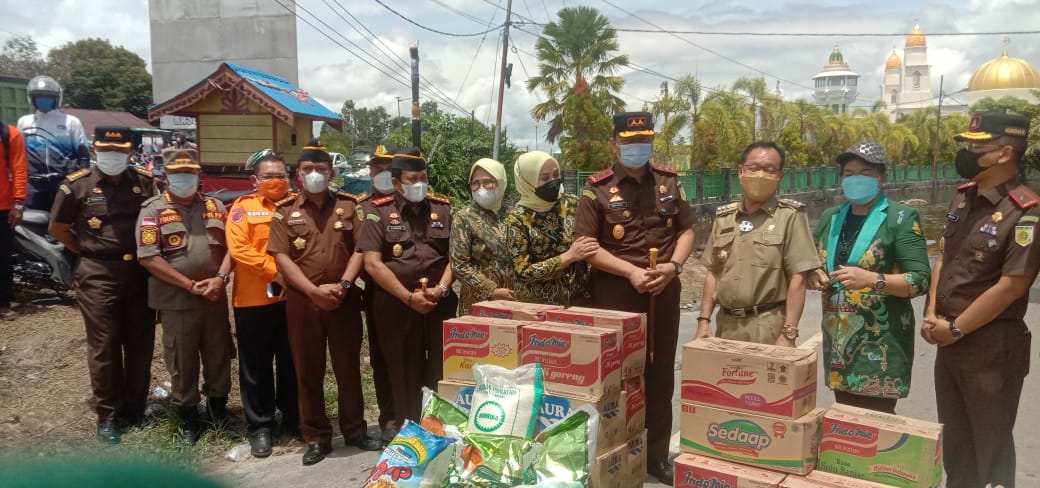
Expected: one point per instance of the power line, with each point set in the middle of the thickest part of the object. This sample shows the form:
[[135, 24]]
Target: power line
[[463, 14], [435, 31]]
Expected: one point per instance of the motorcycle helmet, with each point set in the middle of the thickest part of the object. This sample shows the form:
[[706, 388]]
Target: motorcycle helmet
[[42, 87]]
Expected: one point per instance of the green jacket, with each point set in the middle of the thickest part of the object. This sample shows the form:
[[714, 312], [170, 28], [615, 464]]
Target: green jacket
[[869, 335]]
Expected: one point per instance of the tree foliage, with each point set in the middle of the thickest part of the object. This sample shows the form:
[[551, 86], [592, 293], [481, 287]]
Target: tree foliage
[[362, 127], [586, 145], [21, 58]]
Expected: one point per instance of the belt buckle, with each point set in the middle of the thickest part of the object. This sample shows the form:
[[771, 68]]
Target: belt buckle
[[739, 312], [128, 257]]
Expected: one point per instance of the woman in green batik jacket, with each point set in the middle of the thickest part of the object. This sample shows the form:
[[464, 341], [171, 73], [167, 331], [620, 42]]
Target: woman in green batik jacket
[[876, 260]]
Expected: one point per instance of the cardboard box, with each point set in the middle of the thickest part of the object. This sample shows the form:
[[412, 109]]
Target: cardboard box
[[505, 309], [768, 442], [749, 377], [610, 471], [635, 462], [881, 447], [469, 340], [700, 471], [632, 327], [610, 409], [581, 362], [819, 479], [634, 400]]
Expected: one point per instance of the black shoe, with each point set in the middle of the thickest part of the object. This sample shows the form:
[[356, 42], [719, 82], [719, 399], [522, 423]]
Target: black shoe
[[388, 435], [662, 470], [260, 443], [364, 442], [316, 453], [218, 416], [191, 427], [107, 432]]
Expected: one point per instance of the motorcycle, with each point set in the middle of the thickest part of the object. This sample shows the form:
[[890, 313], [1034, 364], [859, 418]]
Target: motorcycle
[[40, 261]]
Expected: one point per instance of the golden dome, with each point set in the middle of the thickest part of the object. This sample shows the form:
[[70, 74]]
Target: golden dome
[[893, 61], [1004, 73], [916, 37]]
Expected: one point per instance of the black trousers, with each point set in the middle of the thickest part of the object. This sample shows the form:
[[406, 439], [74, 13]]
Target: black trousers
[[887, 405], [6, 263], [380, 377], [263, 342]]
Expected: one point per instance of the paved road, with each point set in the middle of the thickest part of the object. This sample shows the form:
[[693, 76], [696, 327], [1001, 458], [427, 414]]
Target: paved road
[[348, 467]]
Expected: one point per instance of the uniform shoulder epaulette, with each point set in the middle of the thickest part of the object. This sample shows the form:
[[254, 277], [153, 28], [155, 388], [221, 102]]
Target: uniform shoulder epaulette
[[363, 196], [77, 174], [141, 171], [286, 199], [383, 201], [787, 202], [347, 195], [966, 186], [726, 209], [436, 198], [1023, 197], [664, 169], [601, 176]]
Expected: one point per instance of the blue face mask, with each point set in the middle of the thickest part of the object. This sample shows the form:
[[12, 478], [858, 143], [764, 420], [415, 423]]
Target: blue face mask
[[44, 104], [635, 156], [860, 189]]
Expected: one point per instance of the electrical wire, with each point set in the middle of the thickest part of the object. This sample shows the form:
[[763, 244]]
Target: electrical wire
[[475, 54], [435, 31]]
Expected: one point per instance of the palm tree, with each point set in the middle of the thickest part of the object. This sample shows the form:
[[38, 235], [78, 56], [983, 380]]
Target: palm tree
[[580, 45], [688, 88]]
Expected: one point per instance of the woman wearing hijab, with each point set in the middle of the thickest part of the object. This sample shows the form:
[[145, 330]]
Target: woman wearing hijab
[[547, 259], [876, 258], [480, 255]]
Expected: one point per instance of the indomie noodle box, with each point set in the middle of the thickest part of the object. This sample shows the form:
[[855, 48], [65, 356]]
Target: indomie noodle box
[[472, 340], [773, 443], [506, 309], [583, 362], [699, 471], [819, 479], [632, 327]]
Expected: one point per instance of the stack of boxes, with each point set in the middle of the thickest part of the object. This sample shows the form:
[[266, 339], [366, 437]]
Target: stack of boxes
[[583, 363]]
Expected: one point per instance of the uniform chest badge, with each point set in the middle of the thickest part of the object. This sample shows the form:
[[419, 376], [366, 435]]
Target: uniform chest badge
[[394, 215], [437, 225], [747, 226], [434, 217], [211, 206], [626, 214], [294, 214], [723, 256], [952, 217], [340, 211], [997, 217], [149, 235], [96, 190], [398, 250], [614, 189], [992, 244], [137, 190], [960, 205], [616, 198], [300, 243], [662, 190], [94, 223], [988, 229], [175, 240], [338, 225], [1024, 234], [619, 231]]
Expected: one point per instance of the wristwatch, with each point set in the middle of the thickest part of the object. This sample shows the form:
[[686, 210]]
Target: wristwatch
[[443, 287], [346, 284], [678, 267], [956, 332], [789, 331], [224, 277], [880, 283]]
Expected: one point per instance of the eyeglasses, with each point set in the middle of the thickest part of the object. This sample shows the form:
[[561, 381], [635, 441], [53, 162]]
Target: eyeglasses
[[768, 170], [488, 183]]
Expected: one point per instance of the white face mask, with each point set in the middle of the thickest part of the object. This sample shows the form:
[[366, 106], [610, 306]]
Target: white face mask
[[112, 162], [383, 182], [182, 185], [415, 192], [315, 182], [486, 198]]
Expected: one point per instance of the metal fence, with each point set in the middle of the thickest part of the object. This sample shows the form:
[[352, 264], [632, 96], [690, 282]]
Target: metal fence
[[724, 184]]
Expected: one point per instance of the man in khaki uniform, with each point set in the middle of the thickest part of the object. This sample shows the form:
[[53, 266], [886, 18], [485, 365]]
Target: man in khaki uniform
[[181, 242], [758, 252]]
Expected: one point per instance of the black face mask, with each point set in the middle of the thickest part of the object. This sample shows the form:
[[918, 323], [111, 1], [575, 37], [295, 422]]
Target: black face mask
[[967, 164], [550, 191]]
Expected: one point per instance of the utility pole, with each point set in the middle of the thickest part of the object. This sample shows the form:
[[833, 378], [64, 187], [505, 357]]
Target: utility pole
[[938, 129], [399, 106], [502, 79], [535, 137], [416, 121]]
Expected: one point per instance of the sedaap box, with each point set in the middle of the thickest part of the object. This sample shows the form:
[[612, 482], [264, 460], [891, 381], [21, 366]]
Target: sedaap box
[[881, 447], [554, 408], [819, 479], [633, 397], [582, 362], [469, 340], [692, 470], [632, 327], [506, 309], [609, 470], [635, 462], [749, 377], [773, 443]]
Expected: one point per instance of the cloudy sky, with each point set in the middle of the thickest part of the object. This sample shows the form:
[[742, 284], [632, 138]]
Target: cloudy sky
[[464, 69]]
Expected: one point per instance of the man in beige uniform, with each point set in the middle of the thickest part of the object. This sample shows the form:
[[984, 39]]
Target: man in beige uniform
[[181, 242], [757, 254]]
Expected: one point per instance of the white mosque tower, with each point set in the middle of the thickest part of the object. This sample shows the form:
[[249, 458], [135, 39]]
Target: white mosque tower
[[908, 82], [836, 86]]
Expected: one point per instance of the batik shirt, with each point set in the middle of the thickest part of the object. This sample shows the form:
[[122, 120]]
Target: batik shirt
[[537, 240], [480, 255]]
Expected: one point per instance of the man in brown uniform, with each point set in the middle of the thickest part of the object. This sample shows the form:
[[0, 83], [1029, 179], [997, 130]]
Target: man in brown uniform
[[93, 215], [758, 252], [629, 209], [978, 298], [383, 185], [313, 240], [405, 240], [180, 241]]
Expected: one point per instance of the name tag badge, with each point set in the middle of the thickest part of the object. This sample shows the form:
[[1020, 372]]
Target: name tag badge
[[666, 198], [95, 199], [437, 225], [989, 229], [615, 205], [395, 227], [952, 217], [297, 221]]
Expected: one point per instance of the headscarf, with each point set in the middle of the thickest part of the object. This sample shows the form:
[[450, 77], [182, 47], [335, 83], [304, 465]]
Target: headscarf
[[498, 172], [525, 171]]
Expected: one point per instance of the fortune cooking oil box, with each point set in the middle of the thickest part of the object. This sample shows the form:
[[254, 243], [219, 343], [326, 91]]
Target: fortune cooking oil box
[[749, 377], [505, 309], [576, 361], [469, 340], [692, 470], [631, 326], [881, 447], [773, 443]]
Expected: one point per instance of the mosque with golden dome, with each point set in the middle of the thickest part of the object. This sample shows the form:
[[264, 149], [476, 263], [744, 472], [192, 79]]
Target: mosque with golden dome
[[908, 84], [1004, 76]]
